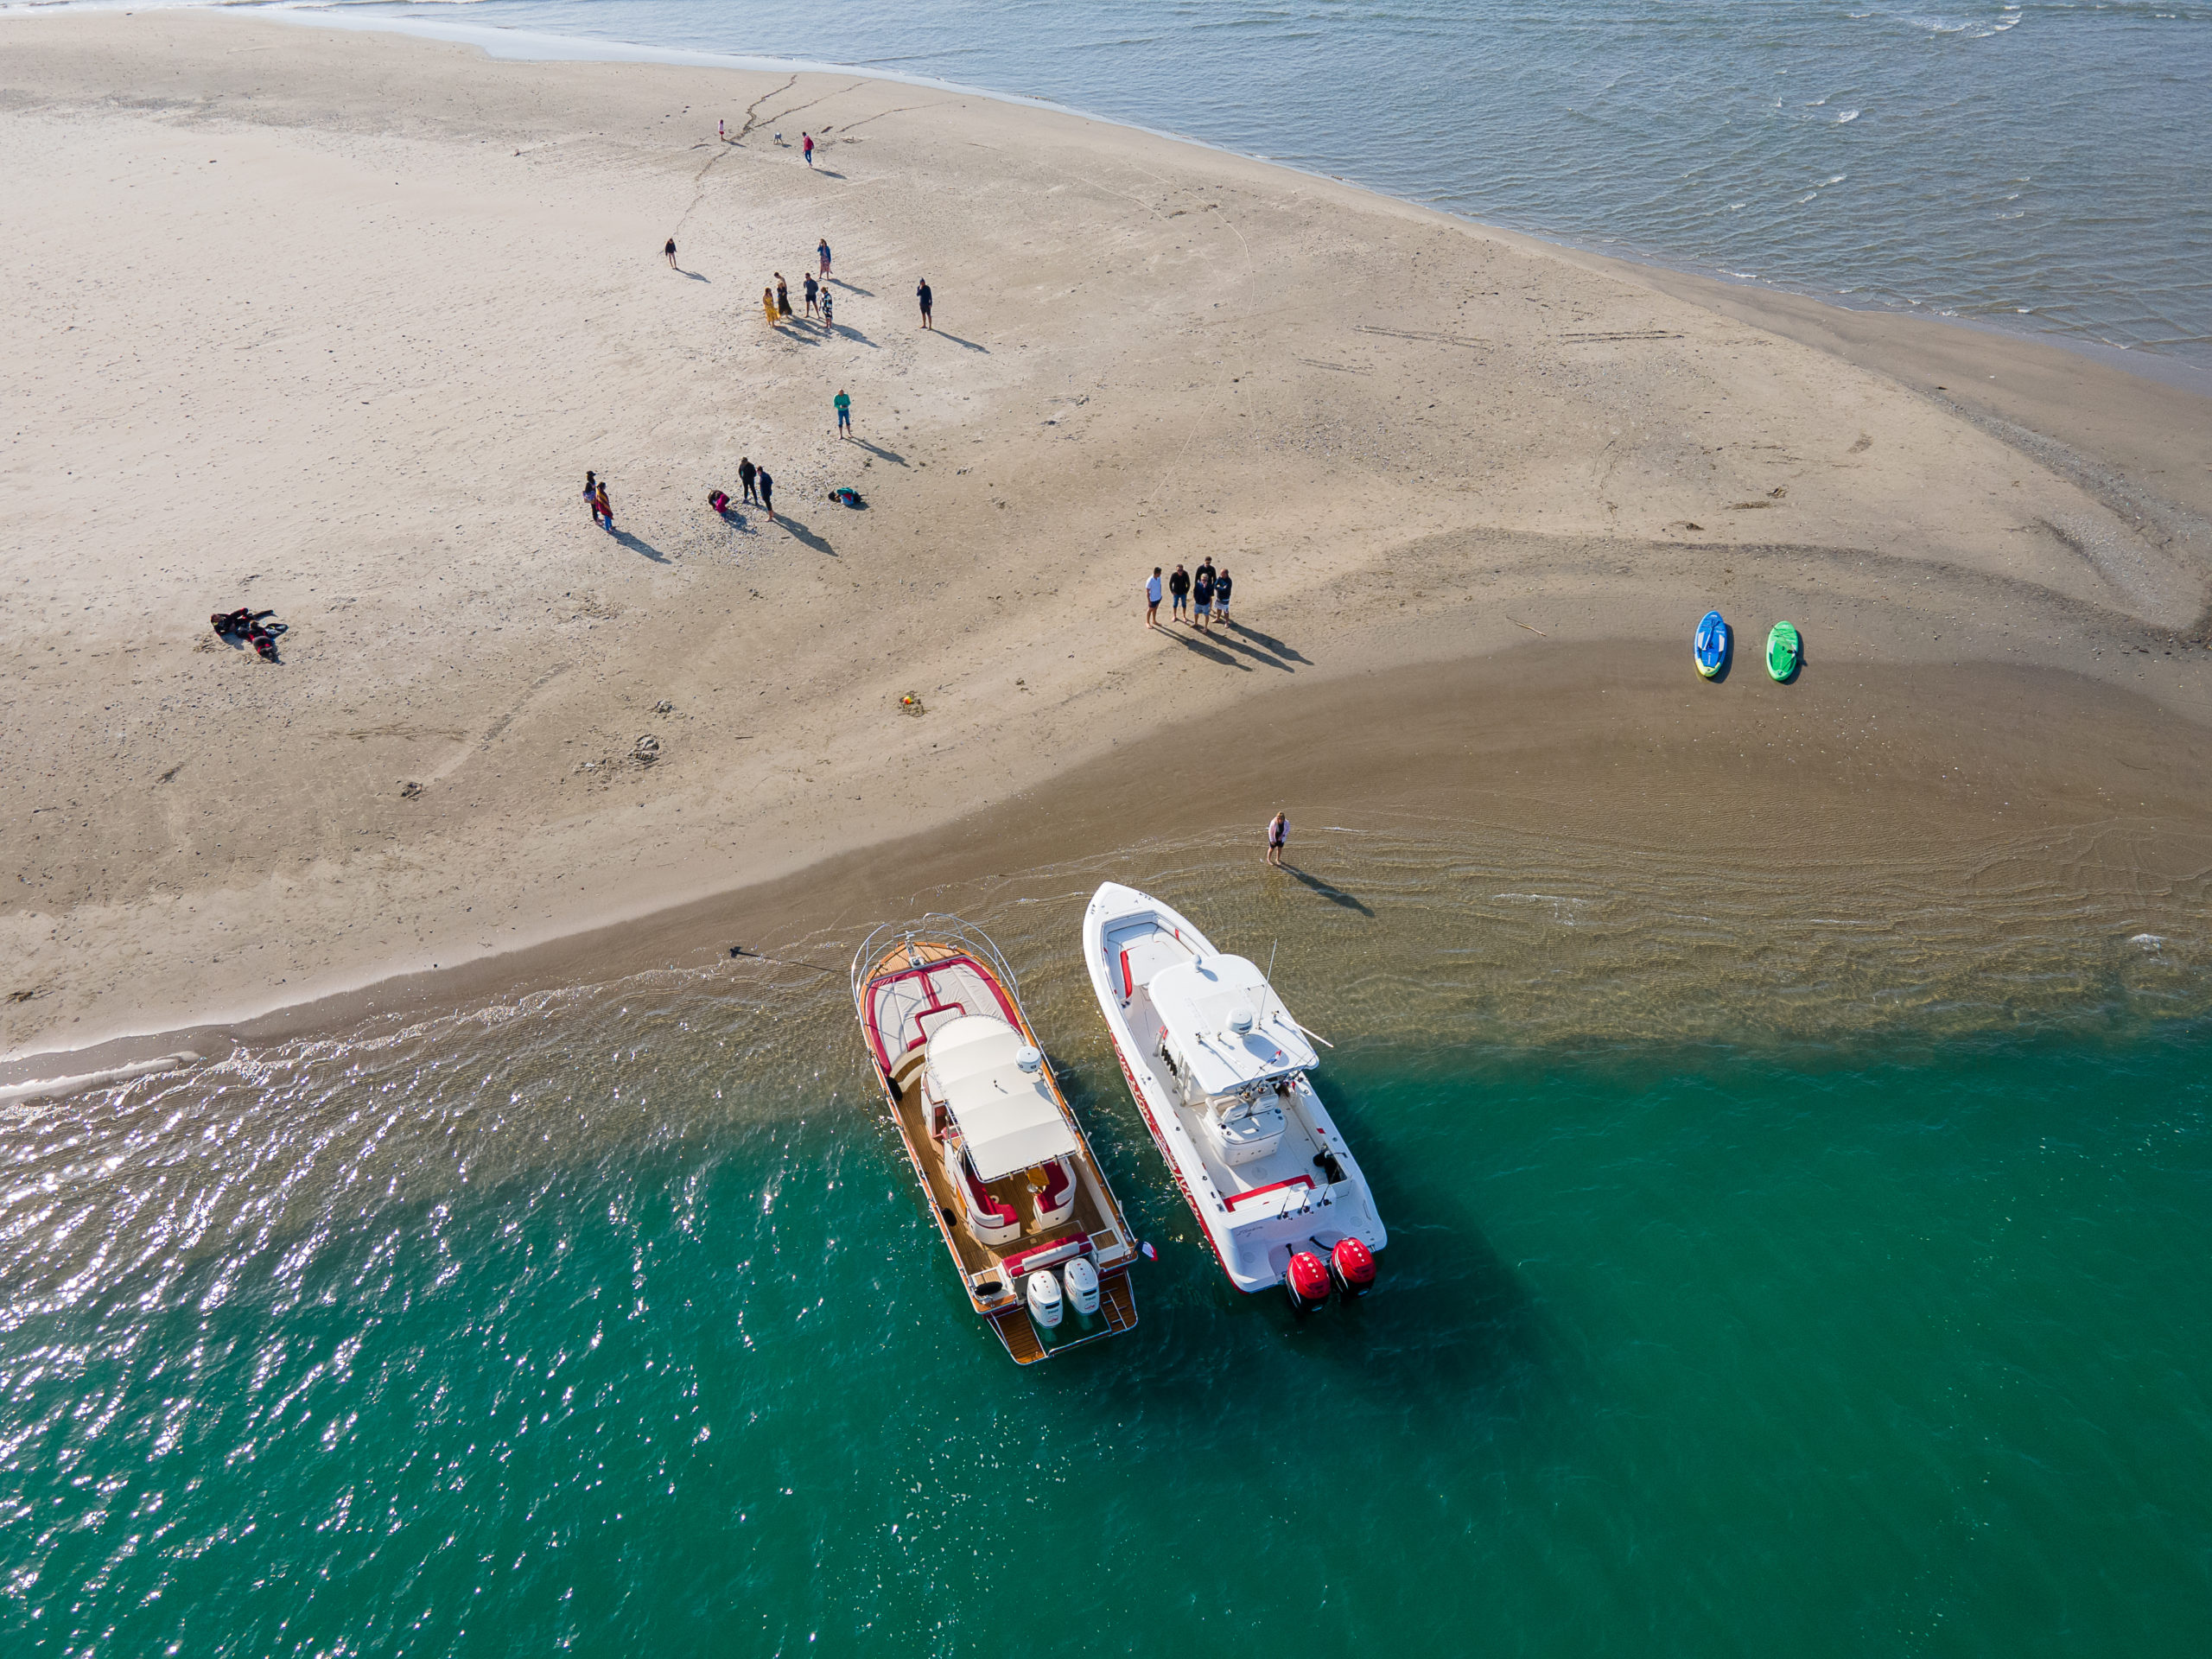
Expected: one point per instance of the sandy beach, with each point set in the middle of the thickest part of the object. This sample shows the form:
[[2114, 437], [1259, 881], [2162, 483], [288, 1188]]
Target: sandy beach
[[331, 323]]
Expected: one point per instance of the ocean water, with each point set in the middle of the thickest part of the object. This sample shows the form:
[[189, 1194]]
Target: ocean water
[[2024, 162], [1865, 1313]]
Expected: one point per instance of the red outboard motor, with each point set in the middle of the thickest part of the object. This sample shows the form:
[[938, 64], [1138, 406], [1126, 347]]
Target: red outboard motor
[[1351, 1268], [1306, 1281]]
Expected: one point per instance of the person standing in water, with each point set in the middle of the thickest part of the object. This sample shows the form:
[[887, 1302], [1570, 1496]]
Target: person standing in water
[[767, 486], [822, 252], [922, 294], [843, 405], [671, 251], [1278, 838], [744, 470]]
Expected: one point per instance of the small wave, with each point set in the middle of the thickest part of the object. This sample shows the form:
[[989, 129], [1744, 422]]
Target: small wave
[[1848, 115]]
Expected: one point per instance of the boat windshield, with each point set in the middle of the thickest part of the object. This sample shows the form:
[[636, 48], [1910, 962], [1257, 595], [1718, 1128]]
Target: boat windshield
[[1008, 1116], [1227, 1025]]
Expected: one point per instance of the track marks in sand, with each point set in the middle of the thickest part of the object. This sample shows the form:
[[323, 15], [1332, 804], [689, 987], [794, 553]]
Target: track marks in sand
[[453, 762]]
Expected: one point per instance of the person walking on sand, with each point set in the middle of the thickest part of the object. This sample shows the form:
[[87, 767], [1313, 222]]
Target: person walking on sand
[[1278, 838], [808, 288], [722, 131], [767, 486], [922, 294], [822, 252], [745, 472], [671, 251], [843, 405], [1179, 589], [806, 147], [768, 303], [1152, 599], [1220, 595], [1202, 596], [783, 296], [603, 512], [591, 495]]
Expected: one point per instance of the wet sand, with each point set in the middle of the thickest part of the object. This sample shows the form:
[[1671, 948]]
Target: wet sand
[[333, 322]]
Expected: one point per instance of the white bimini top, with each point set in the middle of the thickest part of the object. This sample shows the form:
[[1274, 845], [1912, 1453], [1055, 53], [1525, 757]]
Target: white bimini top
[[1204, 1003], [1007, 1115]]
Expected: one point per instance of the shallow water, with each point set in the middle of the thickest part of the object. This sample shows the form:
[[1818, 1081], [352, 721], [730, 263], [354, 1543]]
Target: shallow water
[[1859, 1308], [2018, 161]]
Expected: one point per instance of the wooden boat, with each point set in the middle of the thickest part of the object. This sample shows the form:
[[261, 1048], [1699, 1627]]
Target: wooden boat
[[1042, 1248], [1220, 1071]]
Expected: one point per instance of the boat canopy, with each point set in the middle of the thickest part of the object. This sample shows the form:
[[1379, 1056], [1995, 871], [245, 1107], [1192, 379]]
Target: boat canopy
[[1227, 1025], [1007, 1115]]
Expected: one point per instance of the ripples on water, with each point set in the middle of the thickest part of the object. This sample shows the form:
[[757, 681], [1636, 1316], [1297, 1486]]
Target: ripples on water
[[2032, 163], [605, 1320]]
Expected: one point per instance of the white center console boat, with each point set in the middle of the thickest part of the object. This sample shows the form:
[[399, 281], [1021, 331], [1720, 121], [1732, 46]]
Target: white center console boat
[[1220, 1071]]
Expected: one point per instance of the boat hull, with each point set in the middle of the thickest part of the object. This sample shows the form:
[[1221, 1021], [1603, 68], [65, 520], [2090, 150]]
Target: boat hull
[[1254, 1215]]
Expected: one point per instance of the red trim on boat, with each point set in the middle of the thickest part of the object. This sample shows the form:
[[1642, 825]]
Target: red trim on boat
[[1129, 979], [935, 1003], [1272, 1186]]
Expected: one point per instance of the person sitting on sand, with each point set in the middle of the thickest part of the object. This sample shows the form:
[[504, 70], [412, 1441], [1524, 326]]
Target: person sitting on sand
[[718, 500]]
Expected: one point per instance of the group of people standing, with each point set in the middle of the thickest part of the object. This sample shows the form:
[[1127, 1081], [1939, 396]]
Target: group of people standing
[[815, 295], [1199, 595]]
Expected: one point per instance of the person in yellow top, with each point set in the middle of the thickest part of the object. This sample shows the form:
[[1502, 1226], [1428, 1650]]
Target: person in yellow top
[[768, 304]]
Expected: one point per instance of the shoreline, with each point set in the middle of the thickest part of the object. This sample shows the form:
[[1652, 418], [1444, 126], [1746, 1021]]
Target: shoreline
[[535, 46], [2095, 589]]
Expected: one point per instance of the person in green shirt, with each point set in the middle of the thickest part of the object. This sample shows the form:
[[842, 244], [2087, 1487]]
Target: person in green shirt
[[844, 414]]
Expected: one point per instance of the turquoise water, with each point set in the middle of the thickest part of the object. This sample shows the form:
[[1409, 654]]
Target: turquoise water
[[607, 1322], [2034, 163]]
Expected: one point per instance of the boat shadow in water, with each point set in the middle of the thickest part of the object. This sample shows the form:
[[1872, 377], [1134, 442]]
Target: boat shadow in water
[[1335, 895]]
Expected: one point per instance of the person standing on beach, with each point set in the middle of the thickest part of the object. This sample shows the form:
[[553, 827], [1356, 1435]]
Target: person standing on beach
[[806, 147], [1202, 595], [602, 510], [745, 471], [783, 296], [827, 319], [767, 486], [722, 131], [922, 294], [591, 495], [768, 303], [671, 251], [822, 250], [1178, 587], [1152, 599], [843, 405], [1278, 838], [808, 288], [1220, 595]]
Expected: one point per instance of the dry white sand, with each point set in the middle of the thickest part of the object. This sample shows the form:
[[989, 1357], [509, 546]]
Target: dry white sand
[[333, 322]]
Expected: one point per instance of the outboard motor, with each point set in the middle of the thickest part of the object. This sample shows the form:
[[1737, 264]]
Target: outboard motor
[[1306, 1282], [1351, 1268], [1044, 1305], [1082, 1289]]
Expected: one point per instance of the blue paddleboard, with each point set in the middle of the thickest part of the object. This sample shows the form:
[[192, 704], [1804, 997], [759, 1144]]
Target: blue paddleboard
[[1710, 647]]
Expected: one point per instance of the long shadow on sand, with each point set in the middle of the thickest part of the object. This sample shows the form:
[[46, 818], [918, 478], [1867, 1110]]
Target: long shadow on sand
[[956, 341], [854, 287], [1268, 642], [879, 451], [694, 275], [843, 332], [1335, 895], [624, 538], [1211, 653], [1254, 651], [805, 537]]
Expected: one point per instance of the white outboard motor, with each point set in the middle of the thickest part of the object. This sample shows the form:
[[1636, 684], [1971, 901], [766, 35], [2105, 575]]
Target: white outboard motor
[[1044, 1304], [1082, 1289]]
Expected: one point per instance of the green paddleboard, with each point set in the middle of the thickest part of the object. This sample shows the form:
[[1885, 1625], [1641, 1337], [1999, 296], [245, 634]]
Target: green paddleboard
[[1782, 649]]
